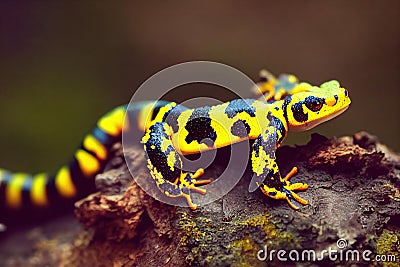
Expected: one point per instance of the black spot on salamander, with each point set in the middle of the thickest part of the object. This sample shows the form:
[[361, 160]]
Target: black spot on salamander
[[256, 147], [170, 188], [158, 158], [240, 128], [199, 127], [166, 114], [271, 179], [268, 145], [156, 108], [240, 105], [188, 178], [285, 104], [160, 163], [170, 149], [298, 112], [278, 126], [171, 117], [276, 108], [274, 180], [272, 155]]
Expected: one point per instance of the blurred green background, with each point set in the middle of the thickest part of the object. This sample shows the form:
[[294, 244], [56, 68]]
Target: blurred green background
[[65, 63]]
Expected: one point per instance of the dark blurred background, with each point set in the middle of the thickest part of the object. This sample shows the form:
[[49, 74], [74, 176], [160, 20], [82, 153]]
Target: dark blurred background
[[65, 63]]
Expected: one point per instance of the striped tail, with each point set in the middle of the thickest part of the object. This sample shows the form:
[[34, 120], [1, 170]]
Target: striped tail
[[20, 191]]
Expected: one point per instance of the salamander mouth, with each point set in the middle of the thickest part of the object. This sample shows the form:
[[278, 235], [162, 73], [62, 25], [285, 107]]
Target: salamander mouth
[[309, 125]]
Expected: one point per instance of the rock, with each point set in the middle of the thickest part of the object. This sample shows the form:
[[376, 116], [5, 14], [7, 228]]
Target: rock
[[353, 197], [354, 205]]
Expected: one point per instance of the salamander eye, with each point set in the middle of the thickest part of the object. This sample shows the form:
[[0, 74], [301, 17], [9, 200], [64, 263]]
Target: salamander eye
[[314, 103]]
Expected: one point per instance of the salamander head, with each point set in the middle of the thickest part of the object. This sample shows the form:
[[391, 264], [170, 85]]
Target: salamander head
[[306, 110]]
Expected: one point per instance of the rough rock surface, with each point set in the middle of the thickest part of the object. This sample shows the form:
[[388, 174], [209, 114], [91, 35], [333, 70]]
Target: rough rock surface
[[354, 196]]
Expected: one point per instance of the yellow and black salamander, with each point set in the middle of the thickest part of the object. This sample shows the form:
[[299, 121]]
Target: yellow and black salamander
[[171, 130]]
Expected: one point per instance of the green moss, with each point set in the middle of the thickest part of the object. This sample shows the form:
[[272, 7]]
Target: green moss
[[388, 244], [272, 232], [245, 250], [235, 243], [189, 227]]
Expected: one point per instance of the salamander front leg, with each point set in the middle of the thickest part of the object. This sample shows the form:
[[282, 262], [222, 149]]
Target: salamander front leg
[[165, 165], [267, 172], [286, 191]]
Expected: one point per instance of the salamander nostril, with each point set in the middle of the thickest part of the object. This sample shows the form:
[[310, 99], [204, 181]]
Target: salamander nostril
[[346, 93]]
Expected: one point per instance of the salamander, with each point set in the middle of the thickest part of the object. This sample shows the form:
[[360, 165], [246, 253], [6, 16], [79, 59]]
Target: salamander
[[171, 130], [273, 88]]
